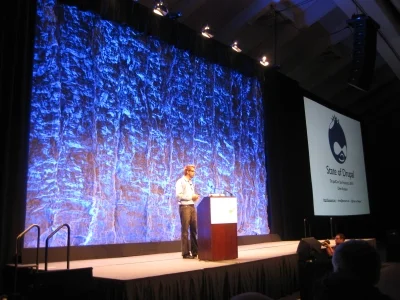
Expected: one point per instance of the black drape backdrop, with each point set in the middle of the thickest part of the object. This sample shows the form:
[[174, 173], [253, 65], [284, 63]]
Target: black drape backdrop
[[16, 49], [289, 184]]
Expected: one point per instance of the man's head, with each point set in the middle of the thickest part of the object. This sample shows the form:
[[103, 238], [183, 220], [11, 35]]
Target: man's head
[[339, 238], [189, 171], [359, 259]]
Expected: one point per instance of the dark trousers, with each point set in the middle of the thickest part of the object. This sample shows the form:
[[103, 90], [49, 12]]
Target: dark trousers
[[188, 217]]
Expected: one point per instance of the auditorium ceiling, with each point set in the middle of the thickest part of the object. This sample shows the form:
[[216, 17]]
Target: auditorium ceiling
[[313, 44]]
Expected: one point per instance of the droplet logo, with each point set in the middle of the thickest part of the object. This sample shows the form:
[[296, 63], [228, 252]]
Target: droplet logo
[[337, 141]]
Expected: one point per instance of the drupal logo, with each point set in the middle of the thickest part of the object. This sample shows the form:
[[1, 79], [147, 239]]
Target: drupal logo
[[337, 141]]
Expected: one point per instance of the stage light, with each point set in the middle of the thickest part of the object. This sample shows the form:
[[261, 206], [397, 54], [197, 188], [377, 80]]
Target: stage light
[[160, 9], [206, 32], [235, 47], [264, 61]]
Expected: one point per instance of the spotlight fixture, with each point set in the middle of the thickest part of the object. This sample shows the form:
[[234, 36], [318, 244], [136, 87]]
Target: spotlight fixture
[[206, 32], [160, 9], [235, 47], [264, 61]]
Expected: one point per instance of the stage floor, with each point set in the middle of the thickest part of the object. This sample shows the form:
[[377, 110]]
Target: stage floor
[[269, 268], [136, 267]]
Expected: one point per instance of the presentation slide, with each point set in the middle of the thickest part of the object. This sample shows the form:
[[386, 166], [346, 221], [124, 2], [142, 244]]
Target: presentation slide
[[337, 166]]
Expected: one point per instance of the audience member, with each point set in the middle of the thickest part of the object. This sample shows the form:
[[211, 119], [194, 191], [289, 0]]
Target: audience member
[[339, 239], [389, 282], [356, 271]]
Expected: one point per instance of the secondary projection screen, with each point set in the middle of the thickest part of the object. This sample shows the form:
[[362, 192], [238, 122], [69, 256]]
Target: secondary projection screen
[[337, 167]]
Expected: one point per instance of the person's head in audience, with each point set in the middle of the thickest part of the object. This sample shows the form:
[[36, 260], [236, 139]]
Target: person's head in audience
[[358, 259], [339, 238], [356, 270]]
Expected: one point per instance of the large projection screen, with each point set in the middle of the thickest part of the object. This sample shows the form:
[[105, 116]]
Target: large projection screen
[[115, 116], [339, 183]]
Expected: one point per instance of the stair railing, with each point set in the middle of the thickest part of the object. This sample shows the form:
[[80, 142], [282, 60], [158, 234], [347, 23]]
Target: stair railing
[[17, 252], [47, 244]]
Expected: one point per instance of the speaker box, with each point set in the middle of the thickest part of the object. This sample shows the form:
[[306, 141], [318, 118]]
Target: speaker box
[[313, 264], [309, 249], [392, 246], [364, 51]]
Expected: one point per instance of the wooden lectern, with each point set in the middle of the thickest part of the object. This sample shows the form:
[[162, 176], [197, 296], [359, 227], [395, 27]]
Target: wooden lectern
[[217, 228]]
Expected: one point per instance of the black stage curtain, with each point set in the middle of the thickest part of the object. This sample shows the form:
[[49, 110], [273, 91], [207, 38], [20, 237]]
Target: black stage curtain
[[16, 49], [275, 277], [289, 185]]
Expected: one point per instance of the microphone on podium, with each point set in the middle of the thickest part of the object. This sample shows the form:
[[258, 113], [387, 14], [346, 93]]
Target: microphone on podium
[[230, 194], [220, 189], [212, 189]]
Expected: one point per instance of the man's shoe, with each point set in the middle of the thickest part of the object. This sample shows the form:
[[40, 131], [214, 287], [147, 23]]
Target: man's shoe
[[188, 256]]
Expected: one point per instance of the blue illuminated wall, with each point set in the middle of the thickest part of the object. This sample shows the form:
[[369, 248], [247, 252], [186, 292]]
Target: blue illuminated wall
[[116, 115]]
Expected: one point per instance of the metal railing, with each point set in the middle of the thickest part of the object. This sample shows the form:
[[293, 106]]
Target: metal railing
[[47, 244], [17, 252]]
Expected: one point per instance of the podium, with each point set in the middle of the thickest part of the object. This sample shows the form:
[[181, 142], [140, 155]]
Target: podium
[[217, 228]]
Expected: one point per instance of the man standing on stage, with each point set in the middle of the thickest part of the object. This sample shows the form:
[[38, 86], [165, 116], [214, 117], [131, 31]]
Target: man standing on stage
[[187, 212]]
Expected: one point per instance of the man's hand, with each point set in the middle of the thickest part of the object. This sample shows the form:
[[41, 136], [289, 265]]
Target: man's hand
[[195, 197], [329, 250]]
